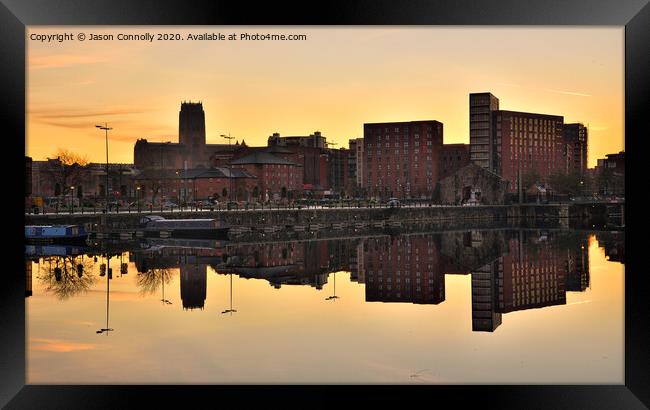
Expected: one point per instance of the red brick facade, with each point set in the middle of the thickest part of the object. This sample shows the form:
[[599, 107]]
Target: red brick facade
[[402, 158], [528, 143], [277, 178]]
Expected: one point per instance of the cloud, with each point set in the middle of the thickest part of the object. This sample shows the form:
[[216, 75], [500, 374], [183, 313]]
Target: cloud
[[63, 60], [79, 118], [566, 92], [82, 113], [59, 346]]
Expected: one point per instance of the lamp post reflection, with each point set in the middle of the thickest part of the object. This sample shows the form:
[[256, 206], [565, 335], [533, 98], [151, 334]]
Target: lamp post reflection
[[231, 310], [333, 297], [108, 286], [163, 300]]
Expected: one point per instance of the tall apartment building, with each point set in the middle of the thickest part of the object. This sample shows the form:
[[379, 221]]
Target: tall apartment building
[[355, 161], [481, 107], [527, 143], [514, 144], [401, 158], [575, 138]]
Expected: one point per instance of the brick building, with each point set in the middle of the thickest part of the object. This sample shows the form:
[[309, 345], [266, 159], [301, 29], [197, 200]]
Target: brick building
[[472, 184], [277, 178], [309, 151], [401, 158], [528, 143], [614, 163], [338, 169], [517, 145], [452, 158], [575, 140], [51, 177], [355, 165], [190, 152], [197, 184]]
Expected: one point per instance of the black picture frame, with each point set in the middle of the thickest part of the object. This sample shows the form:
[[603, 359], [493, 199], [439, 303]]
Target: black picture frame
[[15, 15]]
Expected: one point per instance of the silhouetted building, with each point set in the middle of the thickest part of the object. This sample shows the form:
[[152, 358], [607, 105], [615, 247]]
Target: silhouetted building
[[575, 138], [315, 140], [401, 158], [577, 260], [191, 151], [338, 169], [28, 176], [613, 162], [193, 285], [609, 174], [191, 131], [614, 245], [28, 278], [355, 161]]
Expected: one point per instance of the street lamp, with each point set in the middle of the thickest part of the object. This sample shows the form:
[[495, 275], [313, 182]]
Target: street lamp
[[137, 196], [106, 128], [228, 137], [72, 199]]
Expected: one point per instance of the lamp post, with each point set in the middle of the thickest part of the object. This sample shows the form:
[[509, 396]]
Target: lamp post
[[72, 199], [106, 128], [137, 196], [228, 137], [178, 190]]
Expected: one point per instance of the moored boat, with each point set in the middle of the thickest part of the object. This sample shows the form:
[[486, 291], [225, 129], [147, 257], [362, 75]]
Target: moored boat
[[185, 228], [62, 234]]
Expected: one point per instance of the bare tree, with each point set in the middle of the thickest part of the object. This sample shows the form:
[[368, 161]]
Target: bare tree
[[152, 279], [66, 170]]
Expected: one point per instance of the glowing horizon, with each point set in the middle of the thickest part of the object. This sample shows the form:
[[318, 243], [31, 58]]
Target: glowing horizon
[[334, 82]]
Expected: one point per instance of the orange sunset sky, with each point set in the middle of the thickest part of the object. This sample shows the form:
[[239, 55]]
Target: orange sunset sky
[[333, 82]]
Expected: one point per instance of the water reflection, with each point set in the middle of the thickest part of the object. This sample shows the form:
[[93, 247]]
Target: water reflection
[[65, 276], [510, 270]]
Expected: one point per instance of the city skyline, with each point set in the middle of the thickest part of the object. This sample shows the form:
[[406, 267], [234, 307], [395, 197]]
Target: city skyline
[[348, 84]]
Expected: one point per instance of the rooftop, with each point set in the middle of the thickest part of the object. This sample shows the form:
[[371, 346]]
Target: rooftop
[[262, 158]]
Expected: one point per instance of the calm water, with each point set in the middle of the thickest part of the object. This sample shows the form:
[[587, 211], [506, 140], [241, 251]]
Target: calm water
[[465, 307]]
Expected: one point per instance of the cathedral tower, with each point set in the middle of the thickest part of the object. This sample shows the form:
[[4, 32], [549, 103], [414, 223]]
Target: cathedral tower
[[191, 131]]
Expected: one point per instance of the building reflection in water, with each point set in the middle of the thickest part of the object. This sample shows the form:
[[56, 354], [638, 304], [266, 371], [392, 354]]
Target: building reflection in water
[[510, 270]]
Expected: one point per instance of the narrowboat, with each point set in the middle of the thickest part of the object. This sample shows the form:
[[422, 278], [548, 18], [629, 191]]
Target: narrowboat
[[62, 234], [54, 250], [154, 225]]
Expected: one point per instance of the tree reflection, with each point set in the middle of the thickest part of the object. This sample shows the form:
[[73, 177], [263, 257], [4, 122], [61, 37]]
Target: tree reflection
[[150, 280], [66, 276]]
